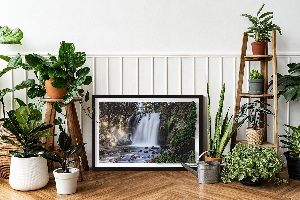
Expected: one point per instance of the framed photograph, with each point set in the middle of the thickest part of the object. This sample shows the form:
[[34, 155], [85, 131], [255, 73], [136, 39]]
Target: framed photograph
[[133, 132]]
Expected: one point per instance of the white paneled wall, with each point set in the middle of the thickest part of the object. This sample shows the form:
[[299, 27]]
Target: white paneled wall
[[164, 75]]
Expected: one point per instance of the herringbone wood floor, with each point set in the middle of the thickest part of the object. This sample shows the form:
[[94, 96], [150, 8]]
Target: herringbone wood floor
[[154, 185]]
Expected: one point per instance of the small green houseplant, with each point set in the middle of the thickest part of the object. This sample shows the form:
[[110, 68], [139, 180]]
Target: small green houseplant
[[28, 170], [256, 82], [250, 164], [223, 129], [261, 27], [66, 176], [291, 141], [251, 112], [65, 73]]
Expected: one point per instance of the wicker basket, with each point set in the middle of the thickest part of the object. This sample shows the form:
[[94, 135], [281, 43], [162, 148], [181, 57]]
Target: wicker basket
[[4, 152], [255, 136]]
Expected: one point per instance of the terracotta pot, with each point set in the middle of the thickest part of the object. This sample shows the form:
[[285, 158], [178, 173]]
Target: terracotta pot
[[52, 92], [259, 48], [209, 159]]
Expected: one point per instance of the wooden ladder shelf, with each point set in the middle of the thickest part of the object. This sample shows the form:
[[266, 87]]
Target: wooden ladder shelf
[[263, 59]]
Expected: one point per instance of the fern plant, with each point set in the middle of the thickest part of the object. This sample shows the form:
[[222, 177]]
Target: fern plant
[[292, 140], [262, 25]]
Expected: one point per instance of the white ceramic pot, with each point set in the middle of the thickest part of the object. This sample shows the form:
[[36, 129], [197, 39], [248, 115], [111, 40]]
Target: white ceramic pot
[[66, 183], [28, 173]]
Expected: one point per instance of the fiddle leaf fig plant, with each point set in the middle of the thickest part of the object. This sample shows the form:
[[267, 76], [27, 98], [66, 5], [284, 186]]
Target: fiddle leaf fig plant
[[25, 124], [66, 69], [262, 25]]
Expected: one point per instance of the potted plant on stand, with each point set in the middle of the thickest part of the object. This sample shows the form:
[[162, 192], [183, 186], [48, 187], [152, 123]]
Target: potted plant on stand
[[292, 141], [223, 129], [28, 170], [65, 177], [256, 82], [251, 164], [260, 30], [252, 113], [60, 77]]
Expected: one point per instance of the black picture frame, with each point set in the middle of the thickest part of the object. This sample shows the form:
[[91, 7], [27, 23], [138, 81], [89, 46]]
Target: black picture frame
[[110, 153]]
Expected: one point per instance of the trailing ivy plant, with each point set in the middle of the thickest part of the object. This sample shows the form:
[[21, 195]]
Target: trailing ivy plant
[[67, 69], [262, 25], [251, 161]]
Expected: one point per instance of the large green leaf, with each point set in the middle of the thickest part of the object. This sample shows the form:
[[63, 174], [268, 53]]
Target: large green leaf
[[60, 83], [8, 36], [6, 58]]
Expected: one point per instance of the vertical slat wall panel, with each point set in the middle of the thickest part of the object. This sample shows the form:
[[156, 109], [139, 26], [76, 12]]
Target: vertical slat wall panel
[[161, 75]]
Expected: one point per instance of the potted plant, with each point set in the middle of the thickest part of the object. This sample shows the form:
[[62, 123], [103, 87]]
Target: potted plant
[[292, 141], [250, 164], [256, 82], [28, 170], [260, 30], [65, 177], [65, 74], [223, 129], [252, 113]]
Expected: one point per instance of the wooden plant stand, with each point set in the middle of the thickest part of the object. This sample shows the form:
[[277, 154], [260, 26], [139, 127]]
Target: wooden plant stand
[[73, 128]]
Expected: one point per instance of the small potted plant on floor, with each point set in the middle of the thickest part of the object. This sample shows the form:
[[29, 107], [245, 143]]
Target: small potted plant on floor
[[252, 113], [223, 129], [292, 141], [250, 164], [260, 30], [256, 82], [65, 177], [28, 170]]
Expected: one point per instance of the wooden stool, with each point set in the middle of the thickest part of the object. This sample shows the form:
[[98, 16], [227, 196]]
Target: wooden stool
[[73, 127]]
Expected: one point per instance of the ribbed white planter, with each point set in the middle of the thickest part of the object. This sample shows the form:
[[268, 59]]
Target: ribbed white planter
[[66, 183], [28, 173]]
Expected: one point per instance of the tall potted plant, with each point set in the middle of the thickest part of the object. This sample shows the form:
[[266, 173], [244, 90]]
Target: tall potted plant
[[250, 164], [65, 177], [252, 113], [260, 30], [292, 141], [28, 170], [223, 129], [256, 82]]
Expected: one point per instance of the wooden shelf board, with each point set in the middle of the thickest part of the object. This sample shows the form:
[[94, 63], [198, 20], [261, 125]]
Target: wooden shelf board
[[265, 144], [247, 95], [258, 57]]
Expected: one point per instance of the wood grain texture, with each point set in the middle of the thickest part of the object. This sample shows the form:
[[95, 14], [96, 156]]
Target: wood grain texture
[[129, 185]]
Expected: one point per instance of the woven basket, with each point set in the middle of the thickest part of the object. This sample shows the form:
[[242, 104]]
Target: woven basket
[[4, 152], [255, 136]]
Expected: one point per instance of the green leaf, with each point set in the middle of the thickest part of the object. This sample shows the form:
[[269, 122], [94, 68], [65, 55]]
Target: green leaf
[[58, 107], [88, 80], [59, 83], [74, 149], [67, 98], [87, 96], [8, 36], [6, 58], [25, 84], [83, 72]]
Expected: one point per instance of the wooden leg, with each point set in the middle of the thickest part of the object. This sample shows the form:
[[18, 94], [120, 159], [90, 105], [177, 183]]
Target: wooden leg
[[75, 131], [49, 119]]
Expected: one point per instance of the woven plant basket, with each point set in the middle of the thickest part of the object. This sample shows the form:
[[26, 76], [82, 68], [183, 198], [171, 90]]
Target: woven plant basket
[[4, 152], [255, 136]]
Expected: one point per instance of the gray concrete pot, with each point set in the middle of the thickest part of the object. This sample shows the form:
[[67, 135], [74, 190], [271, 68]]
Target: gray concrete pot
[[256, 86]]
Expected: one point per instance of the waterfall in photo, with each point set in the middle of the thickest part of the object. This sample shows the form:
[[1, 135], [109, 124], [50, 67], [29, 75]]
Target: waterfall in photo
[[146, 132]]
